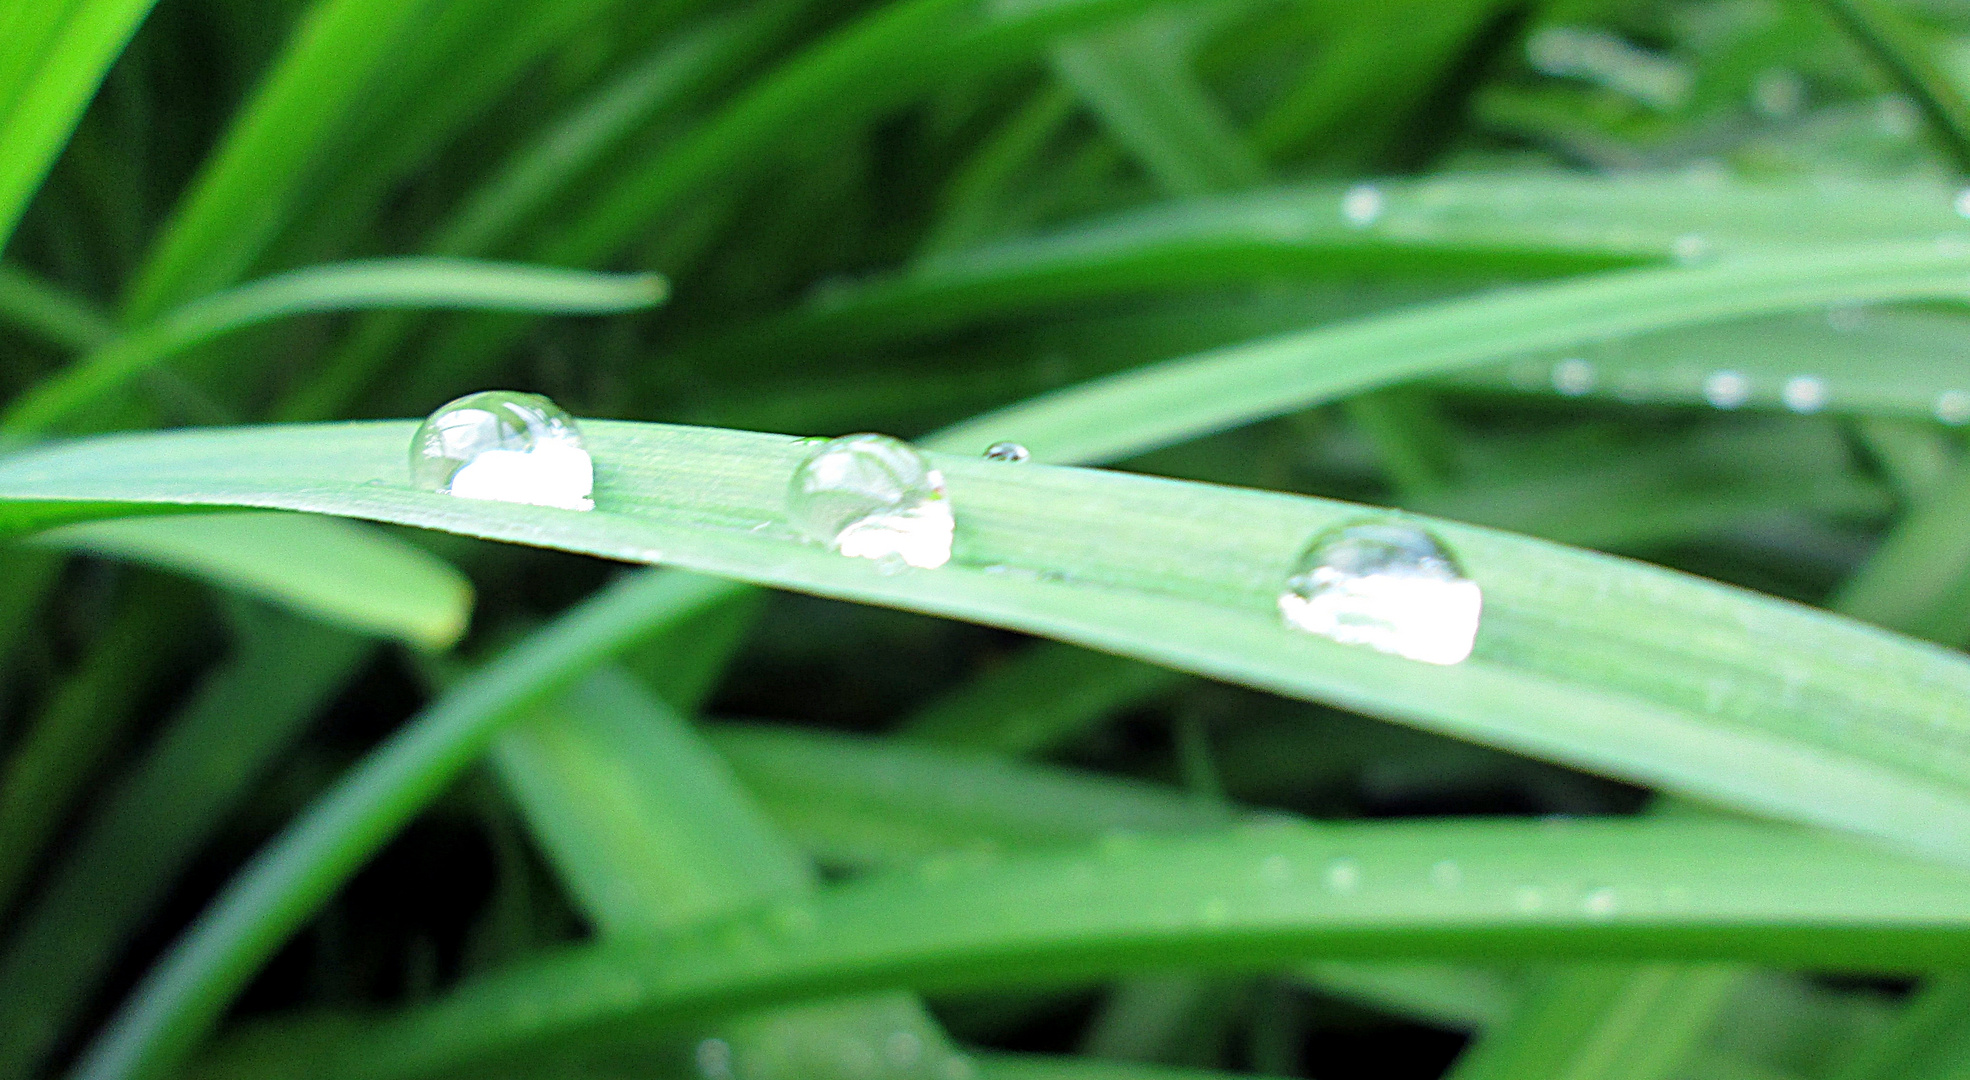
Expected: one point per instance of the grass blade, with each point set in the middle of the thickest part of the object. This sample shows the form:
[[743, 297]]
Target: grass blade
[[50, 313], [379, 283]]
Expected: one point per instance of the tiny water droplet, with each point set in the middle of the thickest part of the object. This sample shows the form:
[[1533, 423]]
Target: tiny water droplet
[[1778, 93], [1573, 376], [1804, 393], [873, 497], [1953, 407], [1529, 898], [1727, 389], [504, 446], [714, 1058], [1846, 318], [1361, 205], [1447, 874], [959, 1067], [1599, 903], [1690, 248], [1962, 202], [1343, 875], [1214, 912], [1390, 587], [1007, 451]]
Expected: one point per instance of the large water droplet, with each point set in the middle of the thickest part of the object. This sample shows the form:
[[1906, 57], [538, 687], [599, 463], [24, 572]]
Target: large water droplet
[[1727, 389], [504, 446], [873, 497], [1007, 451], [1361, 205], [1573, 376], [1390, 587]]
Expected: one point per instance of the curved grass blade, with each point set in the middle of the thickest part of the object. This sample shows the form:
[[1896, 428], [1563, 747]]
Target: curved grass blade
[[1604, 1022], [135, 843], [1034, 702], [379, 283], [344, 573], [50, 313], [52, 58], [1589, 660], [277, 892], [1252, 899], [1165, 403], [1887, 38]]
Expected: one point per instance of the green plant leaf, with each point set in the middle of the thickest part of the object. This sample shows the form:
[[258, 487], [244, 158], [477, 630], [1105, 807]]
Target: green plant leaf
[[340, 571]]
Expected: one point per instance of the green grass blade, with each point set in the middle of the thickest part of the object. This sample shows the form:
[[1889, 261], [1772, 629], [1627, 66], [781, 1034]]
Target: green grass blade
[[1589, 660], [379, 283], [1896, 47], [1930, 1040], [863, 802], [246, 189], [136, 842], [54, 57], [192, 985], [1036, 701], [1604, 1023], [1253, 899], [355, 576], [1166, 403], [50, 313]]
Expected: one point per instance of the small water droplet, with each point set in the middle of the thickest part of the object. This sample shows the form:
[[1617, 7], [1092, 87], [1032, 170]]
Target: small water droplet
[[1727, 389], [714, 1058], [1846, 318], [1573, 376], [1343, 875], [1962, 202], [1600, 903], [873, 497], [1529, 899], [1804, 393], [1007, 451], [1361, 205], [504, 446], [1214, 912], [959, 1067], [1953, 407], [1447, 874], [1390, 587], [1778, 93], [1690, 248]]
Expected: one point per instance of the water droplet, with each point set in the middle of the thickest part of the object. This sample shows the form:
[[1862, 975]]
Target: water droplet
[[1804, 393], [1962, 202], [504, 446], [1953, 407], [1529, 899], [1447, 874], [714, 1059], [1390, 587], [1573, 376], [1214, 912], [1007, 451], [873, 497], [1599, 903], [959, 1067], [1361, 205], [1343, 875], [902, 1048], [1689, 248], [1846, 317], [1727, 389], [1276, 870]]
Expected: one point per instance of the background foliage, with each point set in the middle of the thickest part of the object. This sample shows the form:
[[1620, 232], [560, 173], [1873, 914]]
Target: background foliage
[[1580, 285]]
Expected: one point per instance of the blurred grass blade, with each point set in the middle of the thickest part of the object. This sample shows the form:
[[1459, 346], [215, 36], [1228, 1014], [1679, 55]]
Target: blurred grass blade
[[1930, 1039], [1042, 1067], [379, 283], [343, 572], [1885, 35], [247, 186], [283, 886], [1592, 661], [1255, 898], [1038, 700], [50, 313], [134, 844], [1604, 1023], [1165, 403], [53, 55]]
